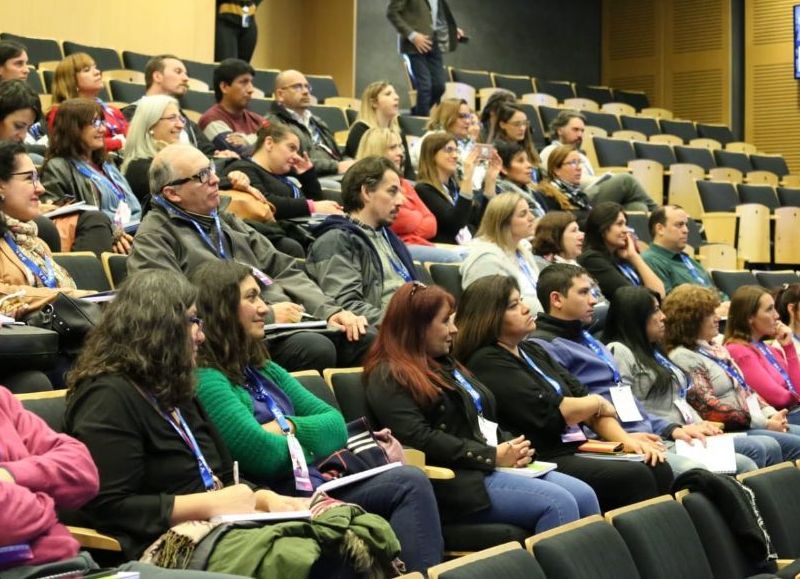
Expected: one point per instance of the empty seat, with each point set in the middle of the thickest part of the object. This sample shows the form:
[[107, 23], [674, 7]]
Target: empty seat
[[775, 488], [599, 94], [38, 49], [720, 133], [613, 152], [773, 163], [683, 129], [477, 79], [610, 123], [126, 92], [509, 561], [717, 196], [789, 197], [772, 280], [412, 125], [548, 115], [104, 58], [115, 267], [730, 281], [264, 80], [655, 152], [762, 194], [334, 117], [519, 85], [201, 71], [738, 161], [197, 101], [323, 86], [637, 99], [648, 126], [696, 156], [561, 89], [135, 60]]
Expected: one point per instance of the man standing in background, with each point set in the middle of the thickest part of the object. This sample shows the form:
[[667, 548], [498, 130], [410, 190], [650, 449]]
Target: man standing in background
[[427, 30], [236, 31]]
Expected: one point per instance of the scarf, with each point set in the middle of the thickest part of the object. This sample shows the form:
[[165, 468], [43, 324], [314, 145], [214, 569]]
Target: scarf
[[574, 193], [25, 234]]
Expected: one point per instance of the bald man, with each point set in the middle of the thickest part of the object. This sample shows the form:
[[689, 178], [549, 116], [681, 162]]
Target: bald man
[[291, 107]]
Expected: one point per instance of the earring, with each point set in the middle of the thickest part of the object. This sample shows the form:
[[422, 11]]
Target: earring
[[150, 132]]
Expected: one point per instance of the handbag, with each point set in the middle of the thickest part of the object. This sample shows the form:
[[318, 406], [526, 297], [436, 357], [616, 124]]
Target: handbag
[[364, 450], [71, 318], [250, 205]]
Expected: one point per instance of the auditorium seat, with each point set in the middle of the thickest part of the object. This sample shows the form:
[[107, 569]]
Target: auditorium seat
[[637, 99], [35, 81], [334, 117], [610, 123], [264, 79], [733, 159], [38, 49], [683, 129], [655, 152], [561, 89], [581, 104], [695, 155], [126, 92], [720, 133], [613, 152], [535, 125], [773, 280], [517, 84], [646, 125], [789, 197], [197, 101], [730, 281], [548, 115], [509, 561], [477, 79], [85, 269], [599, 94], [323, 86], [413, 126], [201, 71], [774, 163], [619, 109], [135, 60], [762, 194], [104, 58]]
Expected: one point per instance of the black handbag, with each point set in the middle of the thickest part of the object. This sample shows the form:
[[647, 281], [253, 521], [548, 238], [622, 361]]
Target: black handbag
[[71, 318], [27, 348]]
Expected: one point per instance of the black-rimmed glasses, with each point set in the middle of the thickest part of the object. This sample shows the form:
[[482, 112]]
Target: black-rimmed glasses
[[202, 176]]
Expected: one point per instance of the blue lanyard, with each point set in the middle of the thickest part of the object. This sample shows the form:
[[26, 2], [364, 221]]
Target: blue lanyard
[[598, 349], [219, 250], [255, 383], [397, 265], [767, 353], [526, 269], [692, 269], [476, 397], [453, 192], [729, 368], [685, 384], [47, 278], [108, 114], [629, 273], [99, 178], [549, 379], [295, 190]]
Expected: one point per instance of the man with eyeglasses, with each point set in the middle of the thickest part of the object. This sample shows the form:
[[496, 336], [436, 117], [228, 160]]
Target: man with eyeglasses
[[291, 107], [229, 124], [185, 229]]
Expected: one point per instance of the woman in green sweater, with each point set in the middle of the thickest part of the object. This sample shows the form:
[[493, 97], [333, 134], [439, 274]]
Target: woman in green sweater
[[276, 429]]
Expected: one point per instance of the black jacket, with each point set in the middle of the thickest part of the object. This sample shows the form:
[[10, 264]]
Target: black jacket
[[325, 154]]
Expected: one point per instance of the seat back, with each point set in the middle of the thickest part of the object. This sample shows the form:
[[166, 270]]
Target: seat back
[[201, 71], [198, 101], [115, 267], [509, 561], [683, 129], [662, 540], [85, 269], [646, 125], [348, 387], [264, 79], [696, 156], [720, 133], [639, 222], [561, 89], [412, 125], [787, 224], [772, 280], [38, 49], [717, 196], [789, 197], [774, 163], [762, 194], [535, 124], [637, 99], [126, 92], [613, 152], [35, 81], [603, 120], [135, 60], [655, 152], [448, 276], [315, 383], [548, 115], [49, 406], [603, 553], [775, 488], [599, 94], [334, 117], [519, 85], [104, 58], [734, 160], [323, 86], [730, 281]]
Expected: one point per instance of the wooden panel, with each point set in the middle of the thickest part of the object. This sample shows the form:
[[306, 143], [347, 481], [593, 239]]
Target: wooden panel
[[631, 28], [698, 95], [771, 21], [695, 25]]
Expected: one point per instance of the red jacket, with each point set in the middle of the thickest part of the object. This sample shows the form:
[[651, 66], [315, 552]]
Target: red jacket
[[414, 224], [114, 120]]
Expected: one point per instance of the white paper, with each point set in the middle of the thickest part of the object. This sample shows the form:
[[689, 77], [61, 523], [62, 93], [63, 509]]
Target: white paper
[[261, 516], [625, 404], [353, 478], [316, 324], [533, 470], [717, 455], [489, 430], [71, 208]]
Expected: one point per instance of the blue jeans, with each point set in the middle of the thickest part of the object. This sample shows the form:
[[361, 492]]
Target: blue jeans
[[762, 450], [788, 441], [404, 497], [436, 254], [793, 417], [427, 74], [536, 504]]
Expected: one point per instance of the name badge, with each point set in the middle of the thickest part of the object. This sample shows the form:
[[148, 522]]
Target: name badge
[[246, 20], [625, 404], [122, 215], [685, 410], [302, 481], [463, 237], [488, 430], [754, 407], [573, 433]]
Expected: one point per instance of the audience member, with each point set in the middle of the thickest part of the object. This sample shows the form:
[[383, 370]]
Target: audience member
[[426, 31], [166, 75], [511, 124], [567, 129], [19, 110], [77, 76], [502, 247], [431, 402], [131, 400], [565, 292], [454, 204], [488, 117], [516, 177], [563, 164], [380, 106], [229, 124], [610, 254], [236, 32], [787, 302], [539, 398], [77, 169], [773, 371], [634, 331], [264, 414], [291, 107], [357, 259], [719, 391], [184, 230], [558, 239], [13, 61], [451, 116], [414, 224]]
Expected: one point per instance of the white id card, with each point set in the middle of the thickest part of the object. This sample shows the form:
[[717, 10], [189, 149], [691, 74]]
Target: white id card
[[122, 215], [685, 410], [754, 407], [246, 20], [573, 433], [625, 404], [489, 430], [302, 482], [463, 237]]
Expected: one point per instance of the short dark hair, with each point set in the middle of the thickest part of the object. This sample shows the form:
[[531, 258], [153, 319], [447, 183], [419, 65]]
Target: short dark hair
[[556, 277], [562, 120], [16, 95], [550, 232], [368, 171], [228, 71], [659, 217], [10, 49], [154, 65], [600, 219], [507, 150]]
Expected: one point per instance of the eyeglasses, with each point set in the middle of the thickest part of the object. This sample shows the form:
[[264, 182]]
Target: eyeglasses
[[203, 176], [171, 118], [195, 321], [575, 163], [465, 115], [450, 150], [300, 86], [416, 285], [98, 123], [519, 124], [33, 174]]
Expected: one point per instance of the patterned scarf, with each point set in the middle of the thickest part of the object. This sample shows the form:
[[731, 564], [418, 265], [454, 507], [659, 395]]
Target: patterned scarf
[[25, 235]]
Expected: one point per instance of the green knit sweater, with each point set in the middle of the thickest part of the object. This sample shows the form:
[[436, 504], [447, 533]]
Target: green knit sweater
[[262, 455]]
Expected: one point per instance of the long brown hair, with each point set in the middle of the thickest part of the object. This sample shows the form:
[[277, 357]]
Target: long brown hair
[[427, 172], [401, 346], [549, 238], [65, 77], [480, 313], [496, 132], [744, 304], [66, 138]]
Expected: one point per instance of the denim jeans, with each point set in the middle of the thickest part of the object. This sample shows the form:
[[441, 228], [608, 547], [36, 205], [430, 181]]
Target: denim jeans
[[427, 74], [764, 451], [536, 504], [404, 497], [788, 441]]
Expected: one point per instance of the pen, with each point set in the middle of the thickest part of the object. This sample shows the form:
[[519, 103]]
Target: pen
[[236, 472]]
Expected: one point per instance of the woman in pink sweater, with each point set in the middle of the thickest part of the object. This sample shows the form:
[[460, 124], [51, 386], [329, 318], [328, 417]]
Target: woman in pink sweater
[[772, 371]]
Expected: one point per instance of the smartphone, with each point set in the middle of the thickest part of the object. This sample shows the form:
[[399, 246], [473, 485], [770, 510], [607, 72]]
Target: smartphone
[[484, 151]]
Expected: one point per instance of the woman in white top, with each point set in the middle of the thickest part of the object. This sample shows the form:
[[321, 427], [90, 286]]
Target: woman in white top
[[502, 247]]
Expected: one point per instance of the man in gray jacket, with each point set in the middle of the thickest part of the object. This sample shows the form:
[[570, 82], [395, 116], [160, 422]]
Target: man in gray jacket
[[184, 229]]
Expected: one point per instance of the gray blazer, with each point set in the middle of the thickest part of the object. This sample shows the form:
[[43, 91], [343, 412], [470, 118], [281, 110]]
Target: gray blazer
[[409, 16]]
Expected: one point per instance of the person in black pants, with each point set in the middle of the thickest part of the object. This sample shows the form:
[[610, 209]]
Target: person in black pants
[[236, 31], [539, 398]]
